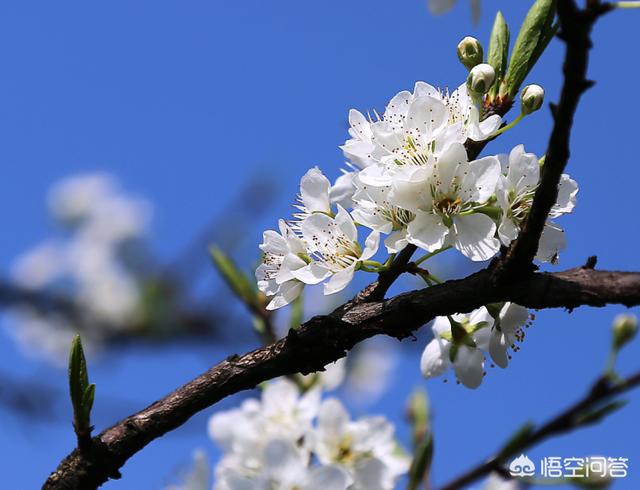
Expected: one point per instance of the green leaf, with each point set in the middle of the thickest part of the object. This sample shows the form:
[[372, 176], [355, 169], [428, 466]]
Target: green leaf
[[597, 414], [87, 403], [515, 442], [498, 51], [78, 375], [235, 279], [534, 35], [421, 463]]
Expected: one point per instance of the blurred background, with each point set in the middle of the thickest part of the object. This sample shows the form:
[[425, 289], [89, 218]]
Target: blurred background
[[135, 133]]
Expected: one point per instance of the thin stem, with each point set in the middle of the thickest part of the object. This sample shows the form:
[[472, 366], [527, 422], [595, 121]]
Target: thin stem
[[432, 254], [509, 126]]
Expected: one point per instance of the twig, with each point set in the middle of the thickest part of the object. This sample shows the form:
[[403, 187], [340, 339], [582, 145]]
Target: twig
[[566, 421]]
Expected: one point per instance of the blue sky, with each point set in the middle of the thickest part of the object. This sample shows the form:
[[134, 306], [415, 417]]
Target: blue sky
[[184, 101]]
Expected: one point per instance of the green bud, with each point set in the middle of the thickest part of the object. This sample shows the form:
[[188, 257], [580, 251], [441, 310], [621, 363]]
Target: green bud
[[625, 328], [480, 79], [470, 52], [531, 99]]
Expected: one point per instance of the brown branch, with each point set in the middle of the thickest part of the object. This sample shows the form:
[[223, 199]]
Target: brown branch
[[575, 31], [323, 340], [568, 420]]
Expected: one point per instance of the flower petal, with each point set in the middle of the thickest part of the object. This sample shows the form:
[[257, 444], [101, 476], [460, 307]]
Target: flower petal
[[474, 236]]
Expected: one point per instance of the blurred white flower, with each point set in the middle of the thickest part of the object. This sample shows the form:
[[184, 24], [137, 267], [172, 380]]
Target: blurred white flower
[[273, 443], [86, 264], [360, 445]]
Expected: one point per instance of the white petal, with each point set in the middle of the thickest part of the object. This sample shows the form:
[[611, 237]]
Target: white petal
[[314, 191], [288, 291], [345, 222], [427, 232], [396, 241], [480, 183], [312, 273], [423, 88], [329, 477], [290, 263], [435, 358], [469, 366], [507, 231], [474, 236], [339, 280], [371, 245], [551, 242], [567, 190], [498, 349], [332, 420], [342, 190], [512, 317]]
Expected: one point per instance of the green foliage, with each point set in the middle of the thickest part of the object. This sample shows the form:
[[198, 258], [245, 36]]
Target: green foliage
[[498, 51], [82, 393], [534, 36], [237, 281]]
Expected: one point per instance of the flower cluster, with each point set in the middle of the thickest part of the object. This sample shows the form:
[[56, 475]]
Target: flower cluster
[[411, 181], [101, 226], [288, 440], [460, 341]]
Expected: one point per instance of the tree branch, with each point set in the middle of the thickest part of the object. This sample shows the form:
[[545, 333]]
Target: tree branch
[[575, 31], [325, 339], [566, 421]]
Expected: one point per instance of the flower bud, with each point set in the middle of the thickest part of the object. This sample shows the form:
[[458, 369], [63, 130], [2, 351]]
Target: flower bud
[[625, 328], [531, 99], [481, 78], [470, 52]]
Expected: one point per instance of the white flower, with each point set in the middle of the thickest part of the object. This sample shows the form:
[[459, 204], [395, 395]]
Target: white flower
[[506, 330], [413, 128], [285, 468], [360, 446], [463, 114], [335, 251], [374, 210], [281, 413], [464, 355], [445, 198], [515, 191], [281, 257]]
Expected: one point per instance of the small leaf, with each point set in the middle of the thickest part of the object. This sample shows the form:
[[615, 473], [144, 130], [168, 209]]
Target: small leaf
[[498, 51], [421, 463], [597, 414], [78, 375], [87, 403], [530, 43], [515, 442], [235, 279]]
